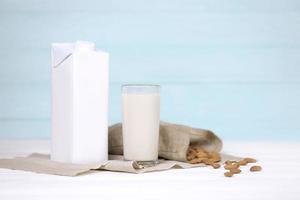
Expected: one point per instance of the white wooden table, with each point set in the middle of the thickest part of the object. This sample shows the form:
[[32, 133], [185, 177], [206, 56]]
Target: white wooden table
[[280, 178]]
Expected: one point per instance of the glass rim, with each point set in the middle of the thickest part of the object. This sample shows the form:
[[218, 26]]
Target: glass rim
[[140, 89], [140, 85]]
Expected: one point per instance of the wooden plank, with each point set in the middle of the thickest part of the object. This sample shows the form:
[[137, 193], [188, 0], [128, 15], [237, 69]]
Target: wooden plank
[[151, 6], [36, 31], [232, 110], [239, 60], [177, 184], [204, 29], [188, 64], [196, 64], [54, 6]]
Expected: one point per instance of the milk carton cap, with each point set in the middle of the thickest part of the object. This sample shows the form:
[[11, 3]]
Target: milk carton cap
[[84, 45], [62, 51]]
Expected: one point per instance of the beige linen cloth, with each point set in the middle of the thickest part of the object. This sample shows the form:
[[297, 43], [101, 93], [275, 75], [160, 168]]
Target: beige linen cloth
[[174, 141]]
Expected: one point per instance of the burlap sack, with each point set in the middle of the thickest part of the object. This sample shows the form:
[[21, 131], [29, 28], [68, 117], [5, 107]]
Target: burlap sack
[[173, 143], [174, 140], [41, 163]]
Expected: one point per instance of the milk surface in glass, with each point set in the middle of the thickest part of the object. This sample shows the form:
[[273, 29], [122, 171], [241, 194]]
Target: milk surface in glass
[[141, 111]]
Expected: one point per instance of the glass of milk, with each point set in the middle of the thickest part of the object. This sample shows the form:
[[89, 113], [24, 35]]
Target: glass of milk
[[141, 111]]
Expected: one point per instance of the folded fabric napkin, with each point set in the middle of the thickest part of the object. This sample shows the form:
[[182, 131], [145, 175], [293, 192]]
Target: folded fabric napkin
[[173, 144]]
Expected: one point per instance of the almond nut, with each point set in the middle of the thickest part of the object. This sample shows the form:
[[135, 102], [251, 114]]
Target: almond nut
[[255, 168], [216, 165], [201, 154], [235, 171], [250, 160], [228, 174], [242, 162]]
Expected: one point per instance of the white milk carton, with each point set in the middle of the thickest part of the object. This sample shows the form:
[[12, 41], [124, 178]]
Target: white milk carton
[[79, 103]]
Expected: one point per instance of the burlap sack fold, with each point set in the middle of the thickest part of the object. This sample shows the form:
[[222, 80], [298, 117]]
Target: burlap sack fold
[[174, 140], [41, 163]]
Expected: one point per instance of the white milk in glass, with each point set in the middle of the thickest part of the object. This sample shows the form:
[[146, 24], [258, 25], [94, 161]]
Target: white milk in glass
[[141, 111]]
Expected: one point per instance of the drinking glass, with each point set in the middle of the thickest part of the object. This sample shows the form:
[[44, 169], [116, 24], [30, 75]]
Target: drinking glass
[[141, 112]]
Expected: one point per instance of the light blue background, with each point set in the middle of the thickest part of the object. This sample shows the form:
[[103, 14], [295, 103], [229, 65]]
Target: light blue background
[[230, 66]]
